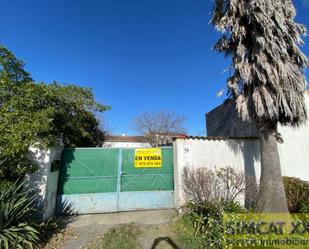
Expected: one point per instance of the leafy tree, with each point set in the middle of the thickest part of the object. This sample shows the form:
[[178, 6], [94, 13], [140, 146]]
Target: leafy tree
[[12, 69], [32, 113], [73, 114], [267, 80]]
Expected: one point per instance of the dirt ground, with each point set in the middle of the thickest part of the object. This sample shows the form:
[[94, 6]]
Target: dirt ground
[[84, 231]]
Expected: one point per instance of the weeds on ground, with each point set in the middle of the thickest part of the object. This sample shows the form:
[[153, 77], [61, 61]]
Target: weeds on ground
[[118, 237], [186, 236], [54, 231], [48, 229]]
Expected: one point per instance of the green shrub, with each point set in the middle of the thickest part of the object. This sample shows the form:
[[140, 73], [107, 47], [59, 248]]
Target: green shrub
[[210, 194], [4, 184], [297, 193], [16, 210], [186, 233], [206, 220]]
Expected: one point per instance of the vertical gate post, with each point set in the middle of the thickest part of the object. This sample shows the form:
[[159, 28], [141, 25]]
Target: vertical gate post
[[119, 177], [45, 180]]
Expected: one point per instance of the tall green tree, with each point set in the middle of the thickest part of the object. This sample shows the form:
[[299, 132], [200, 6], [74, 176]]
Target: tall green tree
[[12, 69], [267, 80], [37, 113]]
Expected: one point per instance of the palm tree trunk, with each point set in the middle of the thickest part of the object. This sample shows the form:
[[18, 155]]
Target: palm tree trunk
[[272, 197]]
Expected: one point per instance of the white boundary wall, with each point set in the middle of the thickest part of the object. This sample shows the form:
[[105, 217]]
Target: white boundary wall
[[213, 154], [45, 182], [242, 154], [294, 152]]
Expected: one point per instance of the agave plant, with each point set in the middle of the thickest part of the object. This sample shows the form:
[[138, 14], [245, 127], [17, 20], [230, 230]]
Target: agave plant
[[16, 210]]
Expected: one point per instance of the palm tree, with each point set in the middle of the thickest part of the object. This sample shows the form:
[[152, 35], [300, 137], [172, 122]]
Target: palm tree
[[267, 80]]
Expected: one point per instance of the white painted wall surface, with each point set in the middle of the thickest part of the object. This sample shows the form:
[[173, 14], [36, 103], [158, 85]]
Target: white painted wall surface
[[243, 154], [38, 180], [125, 145], [213, 154], [294, 152], [45, 182]]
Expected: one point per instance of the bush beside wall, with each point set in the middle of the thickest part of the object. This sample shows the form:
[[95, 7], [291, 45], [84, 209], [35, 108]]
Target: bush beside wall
[[297, 193]]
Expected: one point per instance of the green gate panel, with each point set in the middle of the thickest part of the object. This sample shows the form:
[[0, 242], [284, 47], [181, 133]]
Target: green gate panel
[[146, 179], [88, 170], [95, 170]]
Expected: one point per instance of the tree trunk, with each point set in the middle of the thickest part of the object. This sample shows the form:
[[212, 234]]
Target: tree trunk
[[272, 198]]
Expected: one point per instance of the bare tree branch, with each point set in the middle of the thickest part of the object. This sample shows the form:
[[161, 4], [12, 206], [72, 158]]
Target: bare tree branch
[[159, 125]]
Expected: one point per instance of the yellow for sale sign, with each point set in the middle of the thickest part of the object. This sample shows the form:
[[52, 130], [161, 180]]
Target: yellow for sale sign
[[148, 158]]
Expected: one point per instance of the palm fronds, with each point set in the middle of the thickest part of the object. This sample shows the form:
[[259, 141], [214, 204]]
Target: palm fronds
[[263, 40]]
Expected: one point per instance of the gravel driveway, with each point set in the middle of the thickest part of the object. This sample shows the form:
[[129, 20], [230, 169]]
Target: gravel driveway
[[83, 228]]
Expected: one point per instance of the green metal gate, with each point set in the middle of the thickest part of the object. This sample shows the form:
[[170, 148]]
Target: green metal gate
[[96, 180]]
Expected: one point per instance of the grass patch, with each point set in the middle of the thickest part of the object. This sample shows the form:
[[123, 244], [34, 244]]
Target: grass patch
[[118, 237], [121, 237], [186, 236], [180, 232]]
